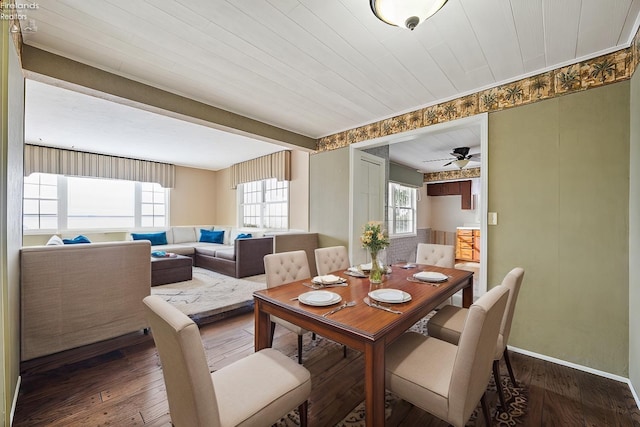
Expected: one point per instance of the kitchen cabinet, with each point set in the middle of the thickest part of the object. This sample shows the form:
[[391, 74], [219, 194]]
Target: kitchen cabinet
[[468, 244], [452, 188]]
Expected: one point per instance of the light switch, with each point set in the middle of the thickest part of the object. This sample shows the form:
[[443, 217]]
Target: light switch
[[492, 218]]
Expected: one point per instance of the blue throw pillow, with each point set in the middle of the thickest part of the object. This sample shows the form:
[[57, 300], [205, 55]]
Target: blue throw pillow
[[154, 238], [243, 236], [78, 239], [209, 236]]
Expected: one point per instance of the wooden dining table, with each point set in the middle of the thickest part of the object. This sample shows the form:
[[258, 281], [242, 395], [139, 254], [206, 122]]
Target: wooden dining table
[[361, 327]]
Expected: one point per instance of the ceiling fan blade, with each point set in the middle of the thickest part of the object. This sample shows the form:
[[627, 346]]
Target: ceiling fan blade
[[474, 157], [447, 164]]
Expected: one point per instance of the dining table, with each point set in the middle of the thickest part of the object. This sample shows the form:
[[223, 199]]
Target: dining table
[[367, 325]]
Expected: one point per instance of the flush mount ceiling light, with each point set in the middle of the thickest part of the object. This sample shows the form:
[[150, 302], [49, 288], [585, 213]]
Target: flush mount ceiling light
[[405, 13]]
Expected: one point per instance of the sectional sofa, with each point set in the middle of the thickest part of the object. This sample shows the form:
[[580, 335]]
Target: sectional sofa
[[238, 252]]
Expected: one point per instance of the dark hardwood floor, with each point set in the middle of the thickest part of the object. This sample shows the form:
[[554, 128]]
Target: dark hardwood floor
[[119, 383]]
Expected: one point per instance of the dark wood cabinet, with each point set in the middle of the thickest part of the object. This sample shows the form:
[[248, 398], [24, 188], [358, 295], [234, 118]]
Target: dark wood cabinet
[[452, 188]]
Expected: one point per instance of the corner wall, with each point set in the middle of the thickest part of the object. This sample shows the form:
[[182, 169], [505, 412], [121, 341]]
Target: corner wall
[[634, 235], [193, 200], [11, 170], [559, 181]]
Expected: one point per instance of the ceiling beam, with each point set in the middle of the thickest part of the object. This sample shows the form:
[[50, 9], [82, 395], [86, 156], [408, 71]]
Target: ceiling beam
[[63, 72]]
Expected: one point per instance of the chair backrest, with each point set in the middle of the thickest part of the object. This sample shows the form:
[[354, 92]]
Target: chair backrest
[[438, 255], [472, 367], [286, 267], [190, 391], [331, 259], [512, 281]]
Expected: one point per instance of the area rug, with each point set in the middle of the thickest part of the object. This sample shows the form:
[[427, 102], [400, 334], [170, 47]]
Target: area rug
[[516, 398], [210, 293]]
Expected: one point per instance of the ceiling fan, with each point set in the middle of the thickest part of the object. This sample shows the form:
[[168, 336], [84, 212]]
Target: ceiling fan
[[462, 157]]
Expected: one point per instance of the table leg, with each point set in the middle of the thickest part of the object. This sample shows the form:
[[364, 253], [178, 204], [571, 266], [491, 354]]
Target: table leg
[[467, 294], [262, 326], [374, 384]]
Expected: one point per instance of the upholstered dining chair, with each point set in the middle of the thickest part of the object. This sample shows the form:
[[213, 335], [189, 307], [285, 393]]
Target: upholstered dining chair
[[448, 323], [255, 390], [282, 268], [444, 379], [331, 259], [438, 255]]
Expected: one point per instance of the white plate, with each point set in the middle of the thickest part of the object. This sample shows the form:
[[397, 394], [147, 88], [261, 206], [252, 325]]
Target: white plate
[[431, 276], [319, 298], [393, 296], [365, 267], [328, 279]]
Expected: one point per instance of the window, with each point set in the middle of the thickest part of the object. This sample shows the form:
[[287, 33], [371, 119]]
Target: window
[[402, 210], [58, 203], [264, 204]]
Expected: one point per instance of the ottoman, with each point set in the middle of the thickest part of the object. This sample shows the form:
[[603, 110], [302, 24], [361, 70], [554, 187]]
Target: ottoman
[[171, 270]]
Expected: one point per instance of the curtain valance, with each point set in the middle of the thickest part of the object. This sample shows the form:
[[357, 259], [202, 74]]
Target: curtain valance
[[276, 165], [58, 161]]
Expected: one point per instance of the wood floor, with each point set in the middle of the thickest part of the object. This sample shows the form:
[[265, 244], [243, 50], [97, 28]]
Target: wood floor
[[119, 383]]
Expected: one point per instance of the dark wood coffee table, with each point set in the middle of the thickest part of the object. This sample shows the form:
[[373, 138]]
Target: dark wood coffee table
[[171, 269]]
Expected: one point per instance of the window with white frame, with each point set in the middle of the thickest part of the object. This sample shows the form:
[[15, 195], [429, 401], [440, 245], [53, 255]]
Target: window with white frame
[[402, 210], [59, 203], [264, 204]]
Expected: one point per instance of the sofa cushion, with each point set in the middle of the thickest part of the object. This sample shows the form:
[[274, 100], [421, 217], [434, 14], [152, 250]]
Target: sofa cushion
[[184, 234], [229, 254], [154, 238], [244, 236], [55, 240], [212, 236], [176, 249], [78, 239]]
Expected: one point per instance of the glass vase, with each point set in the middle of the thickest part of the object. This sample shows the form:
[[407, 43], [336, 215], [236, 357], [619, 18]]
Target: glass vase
[[377, 270]]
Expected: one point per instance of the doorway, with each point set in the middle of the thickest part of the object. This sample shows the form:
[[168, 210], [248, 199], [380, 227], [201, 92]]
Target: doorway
[[480, 125]]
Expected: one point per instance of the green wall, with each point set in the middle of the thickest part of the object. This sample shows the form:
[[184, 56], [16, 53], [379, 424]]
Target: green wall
[[559, 180]]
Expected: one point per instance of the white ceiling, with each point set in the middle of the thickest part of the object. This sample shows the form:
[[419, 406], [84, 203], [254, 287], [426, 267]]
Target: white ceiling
[[321, 67]]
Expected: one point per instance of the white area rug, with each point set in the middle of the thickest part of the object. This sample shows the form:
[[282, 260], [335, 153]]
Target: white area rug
[[210, 293]]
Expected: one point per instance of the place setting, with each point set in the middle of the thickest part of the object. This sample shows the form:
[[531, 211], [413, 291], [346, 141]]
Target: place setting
[[326, 281], [433, 278], [378, 297]]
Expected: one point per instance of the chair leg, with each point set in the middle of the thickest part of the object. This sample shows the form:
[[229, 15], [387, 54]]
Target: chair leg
[[344, 351], [313, 336], [302, 409], [273, 329], [505, 354], [300, 349], [496, 377], [485, 410]]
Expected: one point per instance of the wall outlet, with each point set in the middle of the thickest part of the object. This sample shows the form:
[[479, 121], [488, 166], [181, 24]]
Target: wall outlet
[[492, 218]]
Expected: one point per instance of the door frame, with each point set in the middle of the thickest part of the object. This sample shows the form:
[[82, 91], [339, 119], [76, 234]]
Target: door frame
[[481, 120]]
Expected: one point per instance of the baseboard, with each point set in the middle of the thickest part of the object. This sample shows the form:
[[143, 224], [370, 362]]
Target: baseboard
[[580, 368], [15, 400]]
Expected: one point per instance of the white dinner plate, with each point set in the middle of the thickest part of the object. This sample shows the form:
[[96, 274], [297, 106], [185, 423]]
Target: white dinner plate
[[328, 279], [393, 296], [431, 276], [319, 298]]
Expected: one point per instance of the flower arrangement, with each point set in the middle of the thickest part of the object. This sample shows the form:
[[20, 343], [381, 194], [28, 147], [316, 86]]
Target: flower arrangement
[[373, 237], [374, 240]]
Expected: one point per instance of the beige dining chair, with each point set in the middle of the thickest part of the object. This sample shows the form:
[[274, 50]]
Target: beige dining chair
[[447, 324], [330, 259], [438, 255], [255, 390], [444, 379], [282, 268]]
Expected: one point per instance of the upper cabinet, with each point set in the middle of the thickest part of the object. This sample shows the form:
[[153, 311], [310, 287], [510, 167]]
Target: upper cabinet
[[453, 188]]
